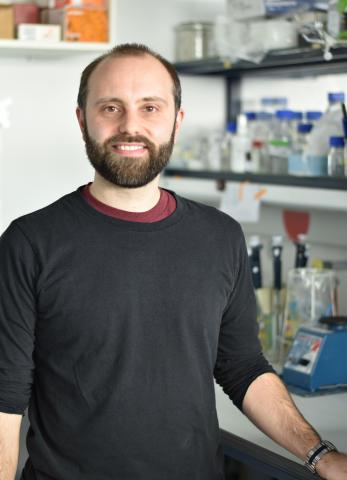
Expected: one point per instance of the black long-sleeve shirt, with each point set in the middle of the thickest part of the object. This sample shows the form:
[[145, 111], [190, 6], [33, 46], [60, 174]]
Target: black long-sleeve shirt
[[113, 331]]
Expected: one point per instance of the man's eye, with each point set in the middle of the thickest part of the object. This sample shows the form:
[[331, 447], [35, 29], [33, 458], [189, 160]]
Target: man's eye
[[110, 109], [150, 108]]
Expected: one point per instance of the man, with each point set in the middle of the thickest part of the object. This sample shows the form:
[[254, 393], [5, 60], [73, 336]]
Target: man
[[121, 302]]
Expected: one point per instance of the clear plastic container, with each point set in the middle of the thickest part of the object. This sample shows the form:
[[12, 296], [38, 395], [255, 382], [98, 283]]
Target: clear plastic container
[[241, 146], [336, 160], [297, 161], [329, 125], [280, 145], [227, 146], [298, 117]]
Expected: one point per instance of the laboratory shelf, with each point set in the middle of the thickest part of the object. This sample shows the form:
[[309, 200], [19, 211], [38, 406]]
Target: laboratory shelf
[[9, 48], [295, 62], [331, 183]]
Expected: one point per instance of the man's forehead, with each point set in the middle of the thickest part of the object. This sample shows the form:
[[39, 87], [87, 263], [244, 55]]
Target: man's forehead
[[142, 72], [130, 64]]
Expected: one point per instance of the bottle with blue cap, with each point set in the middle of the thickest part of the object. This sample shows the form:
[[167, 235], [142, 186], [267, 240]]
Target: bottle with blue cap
[[329, 125], [336, 160], [298, 117], [298, 163], [280, 145], [312, 116], [227, 146], [335, 99]]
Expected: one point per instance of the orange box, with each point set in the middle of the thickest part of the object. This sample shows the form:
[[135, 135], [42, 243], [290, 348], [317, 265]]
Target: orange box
[[81, 3], [79, 24], [6, 22]]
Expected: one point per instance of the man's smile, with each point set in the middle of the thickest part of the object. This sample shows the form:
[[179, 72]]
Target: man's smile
[[129, 149]]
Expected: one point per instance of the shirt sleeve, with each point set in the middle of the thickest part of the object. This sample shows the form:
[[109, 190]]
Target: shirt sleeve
[[17, 319], [240, 359]]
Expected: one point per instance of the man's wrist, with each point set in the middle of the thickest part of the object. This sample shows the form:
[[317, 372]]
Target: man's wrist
[[317, 453]]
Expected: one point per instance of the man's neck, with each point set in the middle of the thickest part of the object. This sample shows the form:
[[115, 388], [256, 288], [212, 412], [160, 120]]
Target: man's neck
[[139, 199]]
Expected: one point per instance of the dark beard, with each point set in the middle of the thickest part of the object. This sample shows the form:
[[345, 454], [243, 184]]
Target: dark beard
[[129, 172]]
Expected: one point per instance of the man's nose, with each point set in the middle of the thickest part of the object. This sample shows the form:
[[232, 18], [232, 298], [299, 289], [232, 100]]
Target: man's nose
[[129, 123]]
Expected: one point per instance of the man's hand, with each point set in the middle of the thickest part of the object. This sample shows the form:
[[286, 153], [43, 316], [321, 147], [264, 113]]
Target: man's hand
[[269, 406], [9, 444], [333, 466]]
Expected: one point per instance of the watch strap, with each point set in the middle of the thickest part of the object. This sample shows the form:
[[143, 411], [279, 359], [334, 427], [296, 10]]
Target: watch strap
[[317, 452]]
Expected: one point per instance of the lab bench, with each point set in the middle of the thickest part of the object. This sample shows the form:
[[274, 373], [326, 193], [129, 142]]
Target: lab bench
[[247, 448]]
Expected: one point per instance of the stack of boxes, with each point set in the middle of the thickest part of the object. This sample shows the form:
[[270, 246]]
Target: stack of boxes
[[55, 20]]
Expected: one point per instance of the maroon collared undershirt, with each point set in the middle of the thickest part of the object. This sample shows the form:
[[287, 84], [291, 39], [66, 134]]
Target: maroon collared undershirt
[[165, 207]]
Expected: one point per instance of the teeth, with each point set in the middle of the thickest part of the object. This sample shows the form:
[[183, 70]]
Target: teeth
[[130, 147]]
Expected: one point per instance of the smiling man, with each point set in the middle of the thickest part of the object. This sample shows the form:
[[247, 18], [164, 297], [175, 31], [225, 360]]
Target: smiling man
[[121, 302], [131, 118]]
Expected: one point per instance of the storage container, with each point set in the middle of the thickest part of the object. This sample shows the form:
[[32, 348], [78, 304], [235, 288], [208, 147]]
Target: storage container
[[194, 41]]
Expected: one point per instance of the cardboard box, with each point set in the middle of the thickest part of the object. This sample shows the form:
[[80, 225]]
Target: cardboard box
[[26, 13], [6, 22], [79, 24], [39, 32]]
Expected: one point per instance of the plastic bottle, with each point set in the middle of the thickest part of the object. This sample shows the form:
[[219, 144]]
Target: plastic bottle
[[297, 161], [227, 146], [211, 146], [329, 125], [250, 165], [260, 152], [312, 116], [240, 146], [280, 145], [336, 162]]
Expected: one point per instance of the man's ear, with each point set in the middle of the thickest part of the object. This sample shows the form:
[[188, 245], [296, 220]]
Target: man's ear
[[179, 118], [81, 119]]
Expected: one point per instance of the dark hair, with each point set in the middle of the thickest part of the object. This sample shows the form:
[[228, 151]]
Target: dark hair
[[125, 50]]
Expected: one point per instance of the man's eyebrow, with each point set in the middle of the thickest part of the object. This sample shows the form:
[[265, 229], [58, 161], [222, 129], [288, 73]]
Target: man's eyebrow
[[153, 99], [108, 99]]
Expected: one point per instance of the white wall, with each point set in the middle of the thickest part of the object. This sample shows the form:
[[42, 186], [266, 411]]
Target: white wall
[[43, 154]]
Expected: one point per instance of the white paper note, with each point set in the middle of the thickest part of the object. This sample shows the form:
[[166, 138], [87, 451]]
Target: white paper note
[[242, 201]]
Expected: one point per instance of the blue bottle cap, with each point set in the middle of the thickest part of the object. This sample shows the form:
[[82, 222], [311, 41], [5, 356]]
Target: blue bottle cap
[[335, 97], [313, 115], [232, 127], [337, 142], [251, 116], [285, 114], [305, 127], [298, 116]]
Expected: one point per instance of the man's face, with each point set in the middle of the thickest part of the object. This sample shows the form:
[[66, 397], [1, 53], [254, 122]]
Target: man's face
[[129, 124]]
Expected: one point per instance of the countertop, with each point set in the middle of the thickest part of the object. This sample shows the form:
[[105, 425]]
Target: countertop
[[326, 413]]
